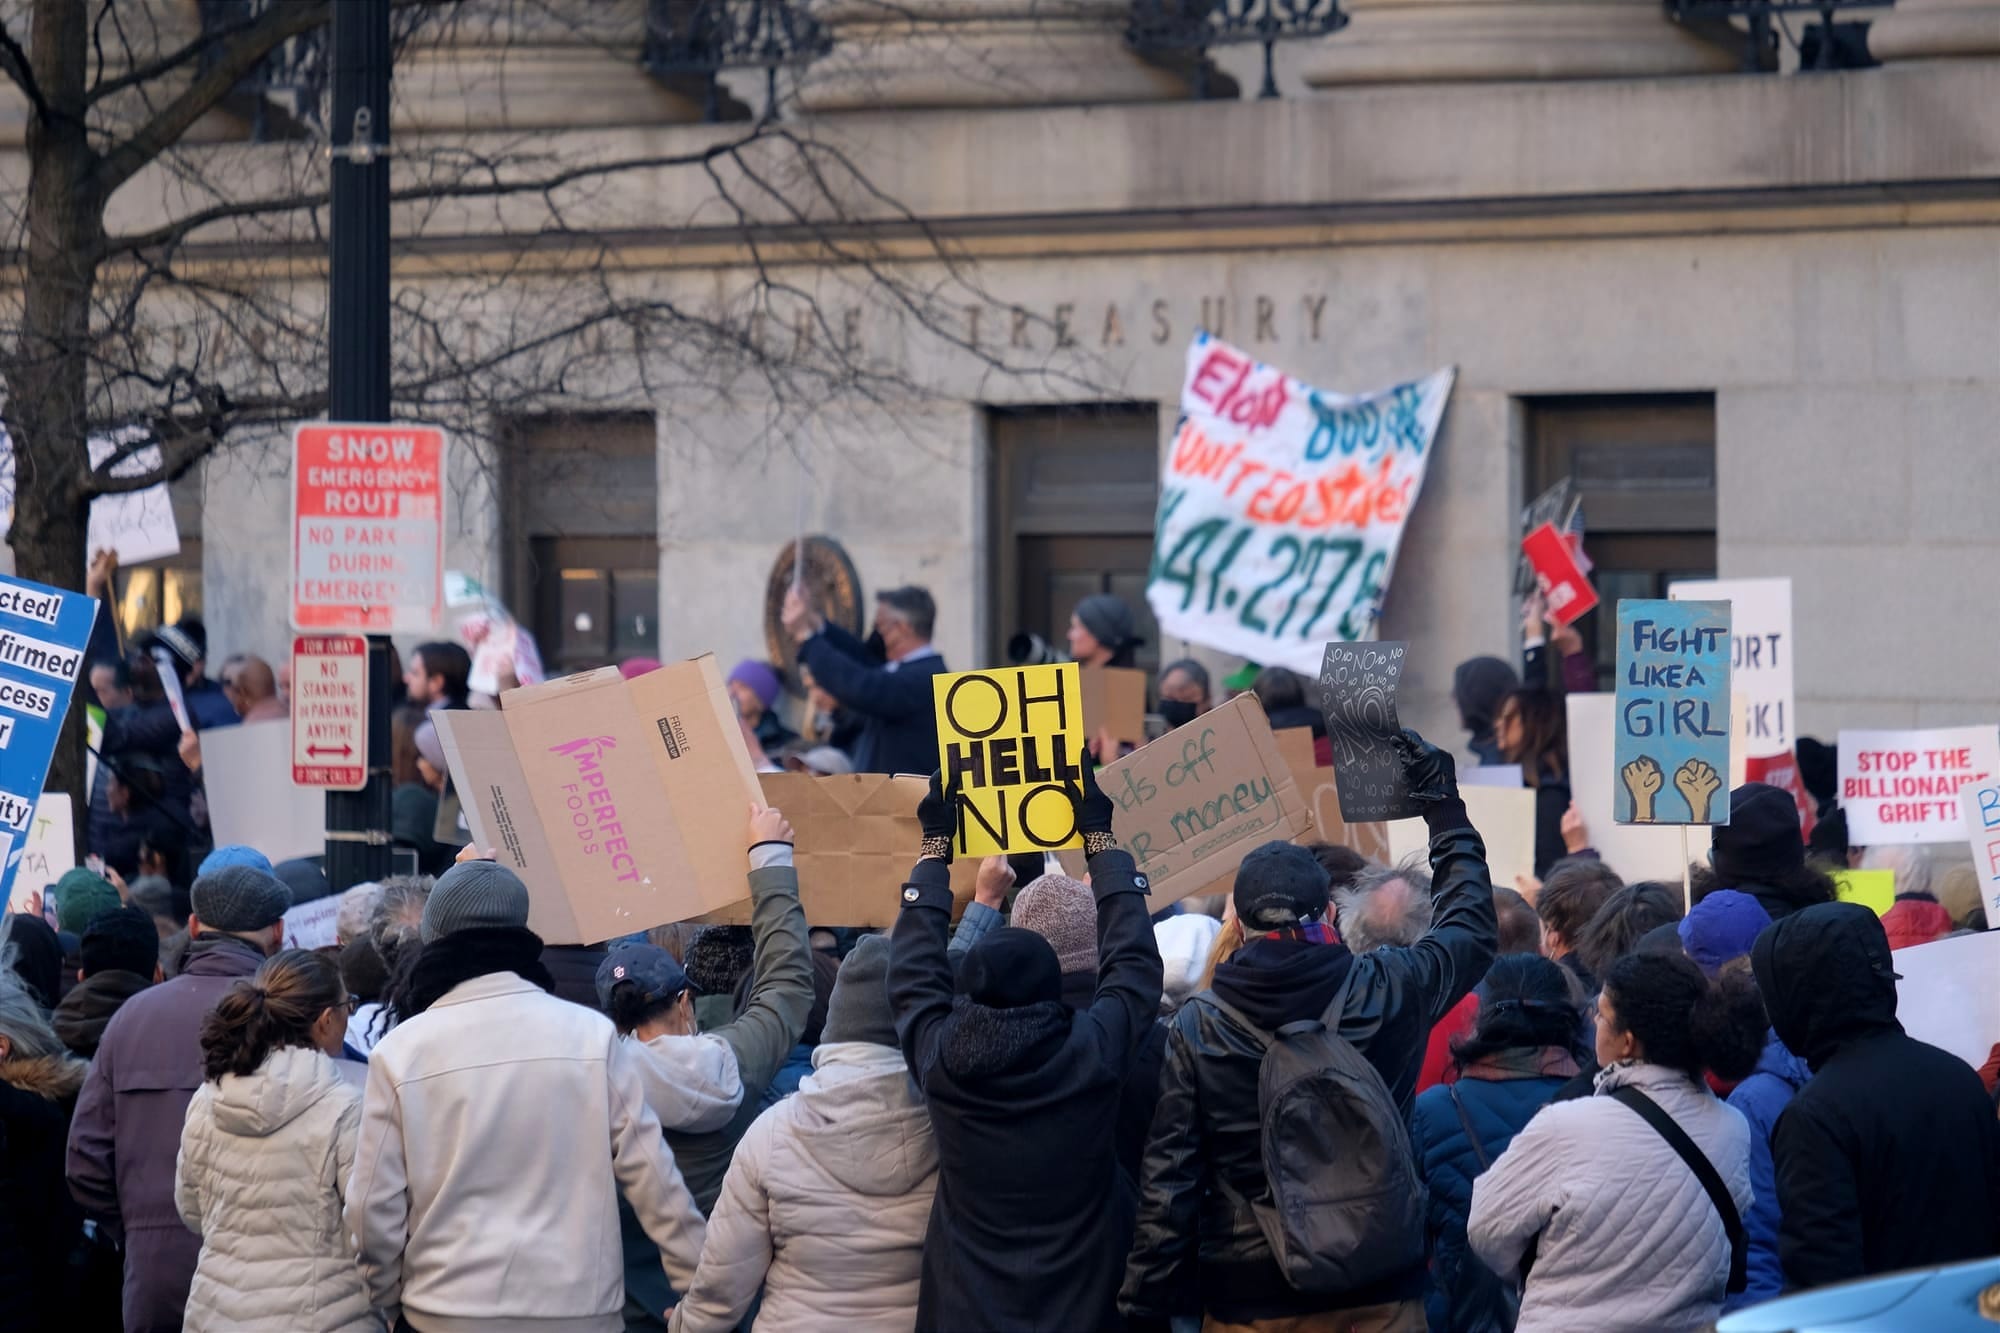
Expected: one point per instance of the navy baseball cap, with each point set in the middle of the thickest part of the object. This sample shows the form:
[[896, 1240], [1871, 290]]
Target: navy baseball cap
[[647, 966]]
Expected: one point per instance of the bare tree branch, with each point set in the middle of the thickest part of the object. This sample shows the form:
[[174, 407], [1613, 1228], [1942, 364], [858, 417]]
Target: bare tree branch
[[15, 65]]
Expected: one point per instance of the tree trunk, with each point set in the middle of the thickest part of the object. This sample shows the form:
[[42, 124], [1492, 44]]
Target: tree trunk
[[47, 371]]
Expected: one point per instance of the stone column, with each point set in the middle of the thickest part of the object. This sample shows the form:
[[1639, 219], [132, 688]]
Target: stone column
[[1438, 41], [1929, 29], [982, 53]]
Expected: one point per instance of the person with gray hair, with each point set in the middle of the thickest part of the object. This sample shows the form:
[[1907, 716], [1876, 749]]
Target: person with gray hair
[[394, 925], [1385, 907], [899, 719], [39, 1226]]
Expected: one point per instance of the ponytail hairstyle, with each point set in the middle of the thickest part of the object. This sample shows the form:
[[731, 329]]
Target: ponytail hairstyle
[[1683, 1020], [275, 1008], [1525, 1002]]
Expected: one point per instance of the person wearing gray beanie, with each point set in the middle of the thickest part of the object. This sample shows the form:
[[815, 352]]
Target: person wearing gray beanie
[[825, 1206], [473, 894], [1061, 911], [240, 900]]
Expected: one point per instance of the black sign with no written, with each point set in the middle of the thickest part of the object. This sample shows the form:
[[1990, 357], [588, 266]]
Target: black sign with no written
[[1357, 695]]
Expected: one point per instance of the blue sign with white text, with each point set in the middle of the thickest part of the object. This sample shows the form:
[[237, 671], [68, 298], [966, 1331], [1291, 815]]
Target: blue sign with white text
[[43, 636], [1672, 724]]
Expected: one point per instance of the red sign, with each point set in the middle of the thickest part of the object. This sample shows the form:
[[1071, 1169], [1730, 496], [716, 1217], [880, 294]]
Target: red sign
[[1564, 585], [330, 711], [367, 528]]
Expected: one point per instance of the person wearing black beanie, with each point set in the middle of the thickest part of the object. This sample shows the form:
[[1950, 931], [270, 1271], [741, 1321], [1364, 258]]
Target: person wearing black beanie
[[1033, 1215], [1761, 852]]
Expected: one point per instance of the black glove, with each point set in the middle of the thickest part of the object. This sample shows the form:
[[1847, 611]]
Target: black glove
[[937, 816], [1427, 770], [1093, 807]]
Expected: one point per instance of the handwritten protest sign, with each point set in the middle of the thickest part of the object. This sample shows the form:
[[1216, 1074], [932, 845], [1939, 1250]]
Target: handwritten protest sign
[[1635, 851], [1194, 803], [313, 925], [48, 853], [1564, 586], [1011, 740], [1672, 744], [1903, 786], [1760, 653], [1873, 889], [1283, 506], [1357, 694], [136, 525], [1321, 792], [1981, 804]]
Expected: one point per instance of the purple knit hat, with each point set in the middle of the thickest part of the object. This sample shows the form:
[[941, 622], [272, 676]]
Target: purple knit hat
[[762, 680]]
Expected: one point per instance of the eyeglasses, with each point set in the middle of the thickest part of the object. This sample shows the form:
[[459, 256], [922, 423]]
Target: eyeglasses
[[351, 1003]]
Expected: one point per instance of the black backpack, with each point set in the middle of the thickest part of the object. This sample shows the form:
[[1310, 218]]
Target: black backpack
[[1346, 1206]]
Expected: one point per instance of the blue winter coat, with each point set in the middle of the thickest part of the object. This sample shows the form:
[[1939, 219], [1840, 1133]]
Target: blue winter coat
[[1461, 1293], [1760, 1098]]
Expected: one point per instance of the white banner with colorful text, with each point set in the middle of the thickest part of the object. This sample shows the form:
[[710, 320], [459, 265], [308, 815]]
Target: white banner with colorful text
[[1283, 506]]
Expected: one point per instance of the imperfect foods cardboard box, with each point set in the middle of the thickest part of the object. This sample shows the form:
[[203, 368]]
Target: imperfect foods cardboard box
[[621, 804]]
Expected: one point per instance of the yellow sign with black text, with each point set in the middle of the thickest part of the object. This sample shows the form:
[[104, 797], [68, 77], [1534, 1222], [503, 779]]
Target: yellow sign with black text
[[1011, 741]]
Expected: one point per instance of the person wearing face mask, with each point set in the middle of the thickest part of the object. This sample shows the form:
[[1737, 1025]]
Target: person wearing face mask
[[893, 699], [1184, 692]]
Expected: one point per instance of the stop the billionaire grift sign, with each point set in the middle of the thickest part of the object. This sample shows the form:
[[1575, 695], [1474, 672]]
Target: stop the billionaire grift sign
[[367, 527]]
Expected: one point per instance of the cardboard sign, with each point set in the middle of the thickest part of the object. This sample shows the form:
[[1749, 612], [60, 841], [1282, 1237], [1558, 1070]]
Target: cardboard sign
[[1565, 587], [1357, 694], [1873, 889], [1672, 750], [48, 853], [857, 837], [137, 525], [43, 632], [243, 768], [1321, 791], [1635, 851], [1980, 803], [1946, 994], [1114, 704], [330, 711], [367, 527], [1903, 786], [1011, 739], [622, 805], [1283, 505], [1194, 803], [1760, 655], [314, 925], [1505, 820]]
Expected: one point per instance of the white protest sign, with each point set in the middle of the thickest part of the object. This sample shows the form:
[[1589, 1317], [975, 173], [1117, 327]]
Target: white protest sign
[[1903, 786], [1946, 994], [1282, 506], [49, 851], [1491, 775], [1760, 654], [1505, 820], [245, 768], [313, 925], [138, 525], [1635, 851], [1981, 804]]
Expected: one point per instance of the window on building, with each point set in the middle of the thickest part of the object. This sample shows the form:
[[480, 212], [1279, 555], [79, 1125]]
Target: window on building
[[1645, 470], [1074, 492], [581, 528]]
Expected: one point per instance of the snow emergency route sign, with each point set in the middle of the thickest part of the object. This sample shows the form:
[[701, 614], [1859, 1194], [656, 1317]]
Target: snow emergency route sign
[[330, 711], [367, 527]]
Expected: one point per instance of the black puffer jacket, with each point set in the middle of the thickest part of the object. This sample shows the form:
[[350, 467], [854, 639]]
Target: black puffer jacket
[[1032, 1218], [1889, 1158], [1194, 1249]]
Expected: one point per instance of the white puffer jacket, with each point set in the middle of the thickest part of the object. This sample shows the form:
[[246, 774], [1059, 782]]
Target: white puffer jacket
[[1629, 1239], [264, 1160], [825, 1205]]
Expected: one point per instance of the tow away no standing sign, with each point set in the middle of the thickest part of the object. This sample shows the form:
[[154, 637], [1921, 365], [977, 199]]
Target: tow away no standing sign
[[330, 711]]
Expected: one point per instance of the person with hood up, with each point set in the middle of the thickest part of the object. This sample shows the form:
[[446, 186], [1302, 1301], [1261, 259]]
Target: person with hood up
[[1525, 1042], [690, 1077], [1761, 852], [121, 957], [1889, 1158], [1199, 1244], [1762, 1098], [499, 1127], [265, 1154], [1032, 1215], [829, 1196], [1478, 686], [127, 1131], [1627, 1238]]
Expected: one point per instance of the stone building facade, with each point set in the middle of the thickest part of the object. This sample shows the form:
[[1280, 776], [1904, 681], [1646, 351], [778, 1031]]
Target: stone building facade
[[1756, 316]]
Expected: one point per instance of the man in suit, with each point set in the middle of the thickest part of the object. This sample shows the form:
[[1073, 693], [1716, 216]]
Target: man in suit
[[889, 688]]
